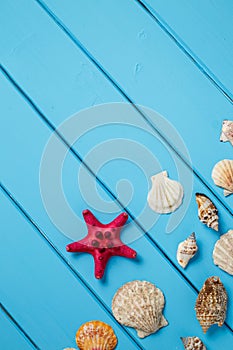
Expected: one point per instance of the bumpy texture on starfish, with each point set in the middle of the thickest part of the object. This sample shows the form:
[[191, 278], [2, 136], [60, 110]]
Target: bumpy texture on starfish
[[102, 241]]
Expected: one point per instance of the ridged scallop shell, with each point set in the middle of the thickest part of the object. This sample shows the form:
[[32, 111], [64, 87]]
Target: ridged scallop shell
[[223, 252], [96, 335], [222, 175], [165, 195], [207, 211], [193, 343], [139, 304], [186, 250], [227, 131], [211, 304]]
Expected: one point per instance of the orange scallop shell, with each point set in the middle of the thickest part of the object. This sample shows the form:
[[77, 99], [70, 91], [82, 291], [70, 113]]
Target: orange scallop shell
[[96, 335]]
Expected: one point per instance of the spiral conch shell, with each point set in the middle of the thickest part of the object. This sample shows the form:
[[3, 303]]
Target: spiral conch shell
[[211, 304], [193, 343], [186, 250], [207, 211], [222, 175], [139, 304], [165, 195], [95, 335], [227, 131], [223, 252]]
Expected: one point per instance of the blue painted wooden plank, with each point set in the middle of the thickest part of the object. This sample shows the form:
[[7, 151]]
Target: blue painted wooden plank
[[43, 295], [10, 336], [29, 196], [204, 30], [145, 222], [50, 60], [151, 70]]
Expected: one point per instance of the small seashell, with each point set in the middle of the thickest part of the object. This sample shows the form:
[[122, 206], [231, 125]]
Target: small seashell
[[186, 250], [227, 131], [207, 211], [222, 175], [69, 349], [193, 343], [96, 335], [139, 304], [211, 304], [165, 195], [223, 252]]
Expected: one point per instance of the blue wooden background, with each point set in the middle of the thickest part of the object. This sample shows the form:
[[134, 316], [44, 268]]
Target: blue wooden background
[[59, 57]]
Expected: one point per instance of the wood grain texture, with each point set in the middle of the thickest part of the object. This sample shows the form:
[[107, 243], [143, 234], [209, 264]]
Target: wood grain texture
[[59, 79], [154, 72], [10, 335], [31, 200], [204, 30]]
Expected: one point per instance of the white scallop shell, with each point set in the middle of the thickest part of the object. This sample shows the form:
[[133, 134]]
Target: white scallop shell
[[139, 304], [193, 343], [165, 195], [223, 252], [227, 131], [222, 175], [186, 250]]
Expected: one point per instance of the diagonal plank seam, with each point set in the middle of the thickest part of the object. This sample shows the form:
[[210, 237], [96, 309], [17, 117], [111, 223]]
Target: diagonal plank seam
[[74, 39], [104, 186], [19, 328], [187, 51], [66, 262]]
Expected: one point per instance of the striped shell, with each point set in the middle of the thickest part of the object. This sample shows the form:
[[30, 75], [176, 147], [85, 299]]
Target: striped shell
[[223, 252], [227, 131], [139, 304], [211, 304], [222, 175], [165, 195], [96, 335], [207, 211], [186, 250], [193, 343]]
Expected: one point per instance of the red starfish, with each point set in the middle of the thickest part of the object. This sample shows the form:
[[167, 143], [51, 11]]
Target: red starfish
[[102, 241]]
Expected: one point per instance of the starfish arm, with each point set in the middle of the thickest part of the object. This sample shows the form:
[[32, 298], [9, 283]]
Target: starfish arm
[[100, 263], [119, 221], [125, 251], [78, 247], [90, 219]]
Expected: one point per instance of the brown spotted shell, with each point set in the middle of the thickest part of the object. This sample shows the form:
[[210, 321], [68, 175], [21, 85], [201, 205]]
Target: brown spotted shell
[[186, 250], [139, 304], [193, 343], [211, 304], [96, 335], [207, 211]]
